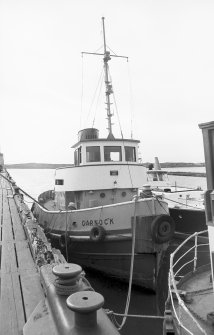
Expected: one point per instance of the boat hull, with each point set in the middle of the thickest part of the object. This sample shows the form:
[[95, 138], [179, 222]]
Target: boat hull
[[188, 221], [113, 258], [111, 254]]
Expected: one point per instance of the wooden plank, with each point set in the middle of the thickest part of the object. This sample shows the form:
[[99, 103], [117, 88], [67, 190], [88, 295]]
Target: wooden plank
[[7, 232], [25, 259], [8, 261], [31, 289], [16, 221], [11, 309], [1, 213], [21, 288]]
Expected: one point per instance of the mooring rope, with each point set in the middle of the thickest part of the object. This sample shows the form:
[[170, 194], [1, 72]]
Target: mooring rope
[[28, 195], [120, 326], [109, 312]]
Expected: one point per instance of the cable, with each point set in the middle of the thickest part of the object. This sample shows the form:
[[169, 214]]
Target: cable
[[120, 326], [29, 196]]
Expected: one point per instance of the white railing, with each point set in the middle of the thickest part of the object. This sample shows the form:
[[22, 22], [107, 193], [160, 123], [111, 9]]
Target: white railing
[[174, 293]]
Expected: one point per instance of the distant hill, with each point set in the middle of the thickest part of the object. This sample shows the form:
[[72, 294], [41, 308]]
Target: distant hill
[[55, 166], [35, 166], [176, 164], [180, 164]]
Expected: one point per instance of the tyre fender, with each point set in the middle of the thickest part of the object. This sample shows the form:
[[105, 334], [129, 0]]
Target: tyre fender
[[162, 228], [97, 233]]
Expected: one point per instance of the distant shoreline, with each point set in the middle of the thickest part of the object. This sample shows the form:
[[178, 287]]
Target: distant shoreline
[[35, 166], [55, 166]]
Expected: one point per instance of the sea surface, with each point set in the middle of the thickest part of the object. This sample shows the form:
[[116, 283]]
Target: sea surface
[[142, 302]]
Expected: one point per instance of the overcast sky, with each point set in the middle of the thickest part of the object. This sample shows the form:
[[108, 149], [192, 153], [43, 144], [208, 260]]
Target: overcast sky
[[47, 88]]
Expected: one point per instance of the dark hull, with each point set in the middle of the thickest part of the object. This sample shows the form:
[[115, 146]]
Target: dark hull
[[100, 238], [188, 221], [113, 258]]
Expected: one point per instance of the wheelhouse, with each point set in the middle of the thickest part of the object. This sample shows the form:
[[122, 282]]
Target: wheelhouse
[[105, 171]]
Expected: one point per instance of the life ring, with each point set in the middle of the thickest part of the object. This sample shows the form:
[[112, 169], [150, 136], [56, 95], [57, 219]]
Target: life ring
[[162, 228], [97, 234]]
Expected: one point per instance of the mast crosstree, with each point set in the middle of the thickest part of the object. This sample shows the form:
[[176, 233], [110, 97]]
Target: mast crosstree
[[106, 57]]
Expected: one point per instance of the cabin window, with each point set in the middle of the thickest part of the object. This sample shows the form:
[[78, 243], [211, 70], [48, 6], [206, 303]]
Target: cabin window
[[78, 156], [93, 154], [130, 154], [59, 181], [112, 154]]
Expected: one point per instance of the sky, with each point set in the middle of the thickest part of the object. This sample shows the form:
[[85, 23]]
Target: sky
[[49, 91]]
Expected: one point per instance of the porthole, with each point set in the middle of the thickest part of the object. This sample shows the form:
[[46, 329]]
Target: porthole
[[102, 195], [123, 194]]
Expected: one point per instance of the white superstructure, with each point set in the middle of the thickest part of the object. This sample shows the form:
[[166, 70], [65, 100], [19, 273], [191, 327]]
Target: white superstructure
[[105, 171]]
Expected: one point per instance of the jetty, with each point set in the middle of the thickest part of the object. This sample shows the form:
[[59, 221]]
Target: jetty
[[40, 293]]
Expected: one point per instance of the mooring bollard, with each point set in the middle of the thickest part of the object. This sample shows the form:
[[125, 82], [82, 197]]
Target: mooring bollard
[[85, 305], [68, 275]]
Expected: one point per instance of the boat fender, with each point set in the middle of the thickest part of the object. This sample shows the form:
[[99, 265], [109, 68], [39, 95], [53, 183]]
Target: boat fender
[[97, 234], [62, 241], [162, 228]]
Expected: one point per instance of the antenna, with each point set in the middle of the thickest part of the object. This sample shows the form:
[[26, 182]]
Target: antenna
[[106, 57]]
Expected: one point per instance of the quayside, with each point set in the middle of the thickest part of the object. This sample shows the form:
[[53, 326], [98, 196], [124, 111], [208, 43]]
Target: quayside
[[40, 293]]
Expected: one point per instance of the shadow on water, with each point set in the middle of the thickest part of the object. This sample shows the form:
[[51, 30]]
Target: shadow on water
[[143, 302]]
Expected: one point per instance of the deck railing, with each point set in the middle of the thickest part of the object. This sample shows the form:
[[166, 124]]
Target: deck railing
[[177, 264]]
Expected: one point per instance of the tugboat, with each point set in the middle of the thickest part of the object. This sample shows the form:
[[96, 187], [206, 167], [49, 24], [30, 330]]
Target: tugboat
[[190, 304], [95, 213], [186, 205]]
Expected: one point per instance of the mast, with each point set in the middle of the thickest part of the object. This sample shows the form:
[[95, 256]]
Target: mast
[[106, 57], [107, 83]]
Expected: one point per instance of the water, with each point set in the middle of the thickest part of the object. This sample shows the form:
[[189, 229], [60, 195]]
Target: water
[[143, 302], [187, 180]]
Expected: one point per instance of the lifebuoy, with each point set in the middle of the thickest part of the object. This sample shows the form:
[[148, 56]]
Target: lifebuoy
[[162, 228], [97, 233]]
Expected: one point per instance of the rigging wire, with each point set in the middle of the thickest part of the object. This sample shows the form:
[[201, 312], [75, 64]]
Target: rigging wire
[[95, 93], [131, 100], [115, 103], [98, 99], [81, 103]]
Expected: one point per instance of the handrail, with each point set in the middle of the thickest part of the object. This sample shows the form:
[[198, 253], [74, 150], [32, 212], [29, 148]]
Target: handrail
[[172, 282]]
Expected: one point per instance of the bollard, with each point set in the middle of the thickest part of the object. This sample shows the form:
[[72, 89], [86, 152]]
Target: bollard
[[85, 305], [68, 275], [146, 191]]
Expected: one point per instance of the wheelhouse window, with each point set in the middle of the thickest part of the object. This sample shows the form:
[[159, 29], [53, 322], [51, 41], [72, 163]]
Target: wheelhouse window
[[130, 154], [93, 154], [112, 154], [78, 156]]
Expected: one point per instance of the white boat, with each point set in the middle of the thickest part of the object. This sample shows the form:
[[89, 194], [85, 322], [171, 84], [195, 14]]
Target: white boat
[[95, 213], [186, 205], [189, 307]]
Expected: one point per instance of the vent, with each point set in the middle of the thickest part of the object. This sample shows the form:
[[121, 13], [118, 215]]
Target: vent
[[88, 134]]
